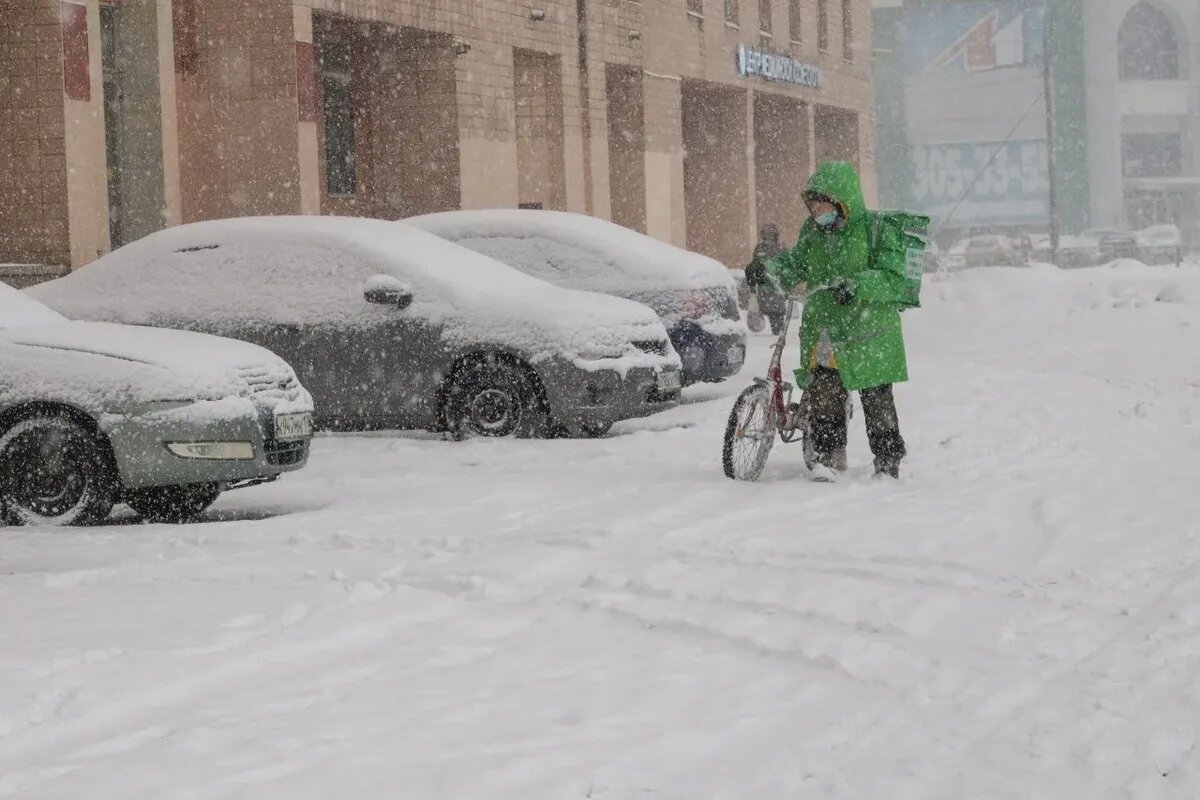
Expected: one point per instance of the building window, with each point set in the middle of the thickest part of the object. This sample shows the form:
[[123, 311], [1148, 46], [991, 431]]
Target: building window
[[1146, 46], [848, 30], [794, 19], [764, 16], [1152, 155], [822, 25], [337, 106], [696, 7], [731, 11]]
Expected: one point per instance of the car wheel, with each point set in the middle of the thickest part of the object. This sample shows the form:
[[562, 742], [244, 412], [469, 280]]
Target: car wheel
[[494, 398], [173, 504], [54, 471]]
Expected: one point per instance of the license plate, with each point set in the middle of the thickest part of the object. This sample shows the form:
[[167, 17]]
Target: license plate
[[736, 354], [293, 426], [669, 381]]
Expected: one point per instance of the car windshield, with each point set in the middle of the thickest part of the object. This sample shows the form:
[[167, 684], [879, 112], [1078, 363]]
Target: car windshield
[[18, 309]]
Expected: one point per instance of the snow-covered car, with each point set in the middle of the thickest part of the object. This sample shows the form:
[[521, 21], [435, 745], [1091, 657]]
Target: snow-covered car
[[92, 414], [694, 296], [1112, 244], [993, 250], [955, 256], [1161, 244], [1074, 252], [389, 326]]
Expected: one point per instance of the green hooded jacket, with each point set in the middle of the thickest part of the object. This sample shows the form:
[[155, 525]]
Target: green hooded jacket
[[866, 336]]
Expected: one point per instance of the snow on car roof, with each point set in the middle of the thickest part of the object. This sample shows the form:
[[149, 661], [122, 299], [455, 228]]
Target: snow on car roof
[[312, 270], [18, 308], [459, 275], [644, 261]]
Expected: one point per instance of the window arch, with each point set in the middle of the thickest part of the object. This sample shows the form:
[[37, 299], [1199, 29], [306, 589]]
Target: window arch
[[1147, 45]]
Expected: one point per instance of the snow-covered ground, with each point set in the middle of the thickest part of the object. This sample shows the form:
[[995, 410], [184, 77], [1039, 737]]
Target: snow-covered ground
[[1018, 617]]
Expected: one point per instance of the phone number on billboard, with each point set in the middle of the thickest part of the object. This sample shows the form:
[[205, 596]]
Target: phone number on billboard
[[1017, 171]]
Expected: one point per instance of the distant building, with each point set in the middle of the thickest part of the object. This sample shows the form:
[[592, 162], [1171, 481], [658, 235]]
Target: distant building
[[967, 141], [1143, 110], [693, 120]]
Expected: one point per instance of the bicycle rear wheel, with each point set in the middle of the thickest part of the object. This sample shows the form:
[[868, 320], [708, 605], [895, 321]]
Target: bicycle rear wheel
[[749, 434]]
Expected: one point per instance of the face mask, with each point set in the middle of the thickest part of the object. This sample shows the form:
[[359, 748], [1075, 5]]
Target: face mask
[[827, 220]]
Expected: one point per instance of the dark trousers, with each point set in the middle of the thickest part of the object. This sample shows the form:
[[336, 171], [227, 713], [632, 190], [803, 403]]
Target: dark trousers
[[827, 403]]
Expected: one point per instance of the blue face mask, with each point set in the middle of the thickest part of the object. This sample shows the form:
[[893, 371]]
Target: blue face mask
[[827, 220]]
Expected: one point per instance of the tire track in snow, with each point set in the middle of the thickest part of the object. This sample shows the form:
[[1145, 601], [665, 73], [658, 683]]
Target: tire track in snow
[[901, 641], [29, 744], [867, 570], [1150, 617], [667, 620]]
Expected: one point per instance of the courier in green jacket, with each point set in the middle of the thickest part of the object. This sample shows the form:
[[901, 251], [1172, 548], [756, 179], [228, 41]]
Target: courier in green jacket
[[850, 335]]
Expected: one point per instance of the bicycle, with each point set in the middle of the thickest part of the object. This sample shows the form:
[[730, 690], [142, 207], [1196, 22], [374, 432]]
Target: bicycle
[[764, 410]]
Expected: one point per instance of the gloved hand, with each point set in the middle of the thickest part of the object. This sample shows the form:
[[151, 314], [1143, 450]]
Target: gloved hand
[[843, 291]]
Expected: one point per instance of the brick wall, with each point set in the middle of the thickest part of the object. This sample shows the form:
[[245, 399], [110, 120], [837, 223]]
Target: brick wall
[[541, 176], [33, 188], [407, 123], [238, 109]]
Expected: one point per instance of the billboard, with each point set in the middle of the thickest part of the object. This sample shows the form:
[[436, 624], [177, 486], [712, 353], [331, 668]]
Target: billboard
[[966, 37], [981, 184], [975, 119]]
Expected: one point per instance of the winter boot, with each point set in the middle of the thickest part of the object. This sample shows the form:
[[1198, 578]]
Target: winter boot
[[835, 460], [827, 467], [889, 468]]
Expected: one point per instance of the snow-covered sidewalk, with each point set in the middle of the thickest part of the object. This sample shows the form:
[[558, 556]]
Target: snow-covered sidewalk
[[1018, 617]]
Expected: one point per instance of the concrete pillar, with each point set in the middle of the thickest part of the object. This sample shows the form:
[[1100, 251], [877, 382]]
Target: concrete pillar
[[87, 179], [665, 212], [598, 111], [308, 103], [487, 125], [172, 199], [751, 166], [1103, 114]]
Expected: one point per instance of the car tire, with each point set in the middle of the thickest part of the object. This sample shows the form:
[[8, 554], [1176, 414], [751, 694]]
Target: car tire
[[173, 504], [495, 398], [591, 431], [54, 471]]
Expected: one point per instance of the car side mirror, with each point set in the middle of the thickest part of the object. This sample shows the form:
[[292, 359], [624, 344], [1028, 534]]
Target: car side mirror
[[384, 290]]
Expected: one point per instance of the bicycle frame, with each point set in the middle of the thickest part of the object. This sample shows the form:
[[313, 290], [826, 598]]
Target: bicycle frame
[[780, 389]]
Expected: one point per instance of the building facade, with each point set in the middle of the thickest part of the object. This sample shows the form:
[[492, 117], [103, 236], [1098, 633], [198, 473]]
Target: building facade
[[692, 120], [1125, 82], [1143, 109]]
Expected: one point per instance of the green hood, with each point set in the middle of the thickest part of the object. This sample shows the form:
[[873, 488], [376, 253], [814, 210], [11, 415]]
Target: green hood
[[839, 181]]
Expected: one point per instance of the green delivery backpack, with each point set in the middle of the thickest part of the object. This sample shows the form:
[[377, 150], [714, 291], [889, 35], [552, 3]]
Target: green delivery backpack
[[913, 230]]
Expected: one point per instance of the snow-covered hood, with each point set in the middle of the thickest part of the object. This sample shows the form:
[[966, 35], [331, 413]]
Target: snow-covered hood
[[130, 363]]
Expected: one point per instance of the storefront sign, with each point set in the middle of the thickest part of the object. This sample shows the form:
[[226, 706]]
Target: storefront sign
[[777, 68]]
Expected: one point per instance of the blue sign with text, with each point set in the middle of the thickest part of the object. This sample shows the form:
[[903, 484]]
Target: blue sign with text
[[777, 68]]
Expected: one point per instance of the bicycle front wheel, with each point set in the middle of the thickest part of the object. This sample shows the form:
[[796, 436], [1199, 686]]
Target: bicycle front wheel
[[749, 434]]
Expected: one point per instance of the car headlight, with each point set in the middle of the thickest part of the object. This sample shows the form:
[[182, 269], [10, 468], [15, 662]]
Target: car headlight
[[213, 451]]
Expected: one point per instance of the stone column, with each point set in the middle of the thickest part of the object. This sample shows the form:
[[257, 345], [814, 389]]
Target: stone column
[[83, 112], [308, 111], [665, 217]]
